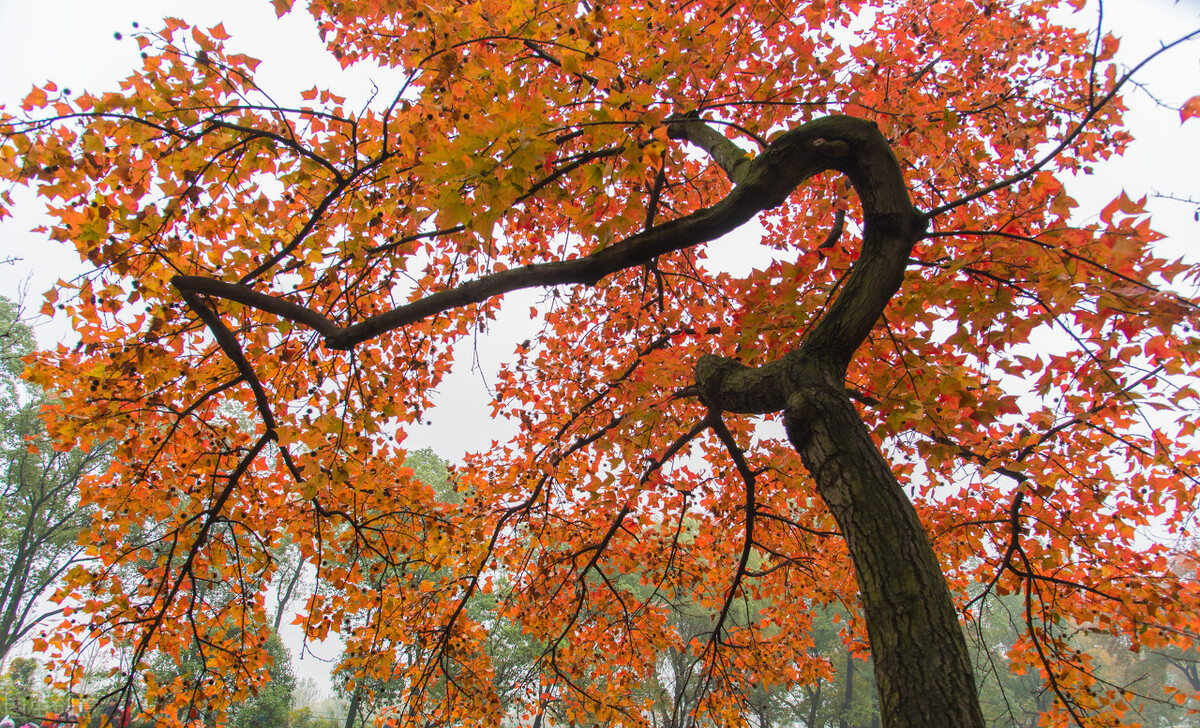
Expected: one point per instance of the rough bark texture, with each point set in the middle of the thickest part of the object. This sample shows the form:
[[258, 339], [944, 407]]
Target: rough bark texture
[[915, 636]]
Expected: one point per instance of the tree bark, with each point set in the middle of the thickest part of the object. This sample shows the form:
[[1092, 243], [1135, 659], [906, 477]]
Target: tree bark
[[352, 708], [922, 667], [814, 706]]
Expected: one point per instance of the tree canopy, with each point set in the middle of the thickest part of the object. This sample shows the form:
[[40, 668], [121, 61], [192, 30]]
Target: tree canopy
[[984, 389]]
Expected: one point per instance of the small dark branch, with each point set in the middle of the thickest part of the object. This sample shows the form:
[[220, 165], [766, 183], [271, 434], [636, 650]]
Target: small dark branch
[[835, 234], [1030, 576], [792, 523], [211, 517], [473, 585], [416, 236], [680, 442], [1094, 108], [598, 549], [659, 343], [537, 50], [571, 166], [1156, 195], [540, 53], [253, 134], [1047, 665], [574, 164], [1073, 256], [784, 561], [297, 473], [748, 477], [1095, 53], [331, 197], [660, 181], [978, 458], [1014, 541], [585, 440]]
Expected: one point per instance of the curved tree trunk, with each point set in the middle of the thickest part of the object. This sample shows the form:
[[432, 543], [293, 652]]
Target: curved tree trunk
[[922, 666]]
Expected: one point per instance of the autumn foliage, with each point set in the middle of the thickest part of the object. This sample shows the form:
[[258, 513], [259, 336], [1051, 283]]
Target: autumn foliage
[[277, 291]]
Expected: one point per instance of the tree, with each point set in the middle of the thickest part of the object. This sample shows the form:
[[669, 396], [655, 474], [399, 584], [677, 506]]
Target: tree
[[268, 703], [40, 516], [976, 388], [23, 695], [271, 706]]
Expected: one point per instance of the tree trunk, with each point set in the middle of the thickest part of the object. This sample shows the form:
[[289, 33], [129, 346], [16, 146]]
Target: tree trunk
[[921, 662], [814, 706], [352, 708], [848, 693], [922, 666]]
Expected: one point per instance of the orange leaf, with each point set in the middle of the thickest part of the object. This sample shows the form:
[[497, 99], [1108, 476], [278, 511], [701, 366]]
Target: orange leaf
[[35, 100], [1190, 108]]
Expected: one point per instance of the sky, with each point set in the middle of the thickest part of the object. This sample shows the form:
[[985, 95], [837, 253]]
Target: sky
[[73, 43]]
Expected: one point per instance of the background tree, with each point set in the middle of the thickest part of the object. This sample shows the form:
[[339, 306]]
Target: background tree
[[372, 683], [40, 514], [24, 695], [271, 706], [312, 268], [268, 704]]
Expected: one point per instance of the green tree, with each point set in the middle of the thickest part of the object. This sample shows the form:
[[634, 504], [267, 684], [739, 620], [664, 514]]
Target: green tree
[[24, 696], [40, 512], [272, 705]]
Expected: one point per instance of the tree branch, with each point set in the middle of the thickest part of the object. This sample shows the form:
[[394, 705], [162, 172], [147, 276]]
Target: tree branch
[[729, 156], [767, 181]]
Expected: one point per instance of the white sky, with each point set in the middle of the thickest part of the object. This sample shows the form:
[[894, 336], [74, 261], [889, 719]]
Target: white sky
[[71, 42]]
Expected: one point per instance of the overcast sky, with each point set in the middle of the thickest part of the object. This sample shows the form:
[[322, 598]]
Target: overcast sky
[[72, 43]]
